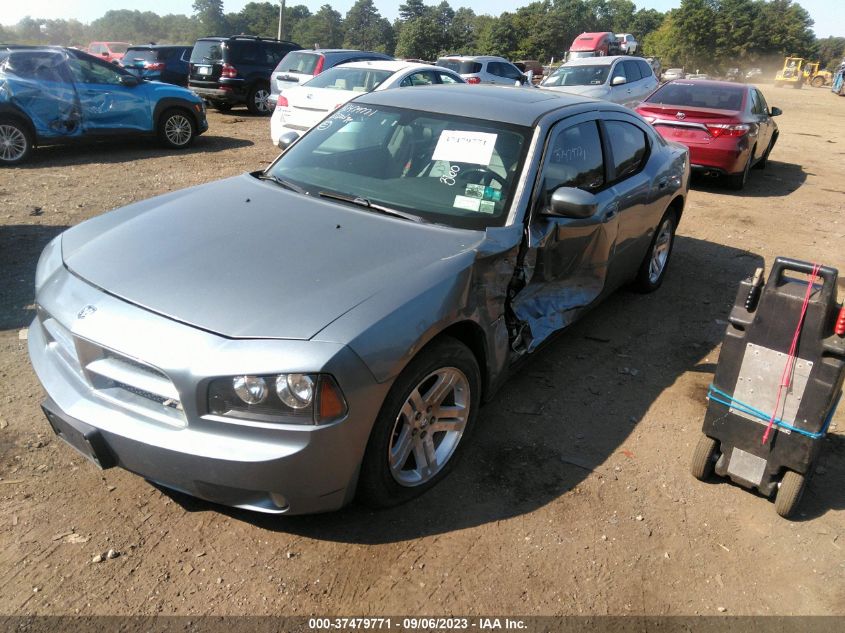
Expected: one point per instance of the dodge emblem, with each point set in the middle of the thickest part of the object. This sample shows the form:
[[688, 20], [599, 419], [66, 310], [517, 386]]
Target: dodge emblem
[[86, 311], [680, 116]]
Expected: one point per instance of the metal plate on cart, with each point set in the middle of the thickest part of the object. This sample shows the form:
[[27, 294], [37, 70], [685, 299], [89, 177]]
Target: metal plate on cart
[[746, 466], [759, 377]]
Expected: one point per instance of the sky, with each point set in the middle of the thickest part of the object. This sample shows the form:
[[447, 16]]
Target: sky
[[829, 15]]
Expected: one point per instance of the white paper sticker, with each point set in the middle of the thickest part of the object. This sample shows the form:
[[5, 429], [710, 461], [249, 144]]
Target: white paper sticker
[[465, 147], [465, 202], [487, 206]]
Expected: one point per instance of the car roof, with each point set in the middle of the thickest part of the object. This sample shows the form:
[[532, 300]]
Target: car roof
[[385, 64], [474, 57], [157, 46], [604, 60], [516, 105]]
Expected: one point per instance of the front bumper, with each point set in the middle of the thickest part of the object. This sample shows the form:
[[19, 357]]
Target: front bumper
[[268, 467]]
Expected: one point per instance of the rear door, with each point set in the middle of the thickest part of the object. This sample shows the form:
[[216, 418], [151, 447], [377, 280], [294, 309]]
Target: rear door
[[106, 105], [206, 63], [573, 255]]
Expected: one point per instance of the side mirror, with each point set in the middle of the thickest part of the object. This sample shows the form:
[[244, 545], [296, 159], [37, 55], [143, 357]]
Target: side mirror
[[775, 111], [618, 81], [569, 202], [104, 54], [129, 81], [287, 139]]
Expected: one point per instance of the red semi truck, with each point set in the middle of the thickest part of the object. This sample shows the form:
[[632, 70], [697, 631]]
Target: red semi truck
[[593, 45]]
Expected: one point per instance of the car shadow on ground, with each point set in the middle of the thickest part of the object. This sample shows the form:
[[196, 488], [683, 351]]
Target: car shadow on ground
[[123, 151], [567, 410], [20, 247], [776, 180]]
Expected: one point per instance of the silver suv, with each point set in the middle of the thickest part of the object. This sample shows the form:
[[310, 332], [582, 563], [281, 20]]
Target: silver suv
[[483, 69]]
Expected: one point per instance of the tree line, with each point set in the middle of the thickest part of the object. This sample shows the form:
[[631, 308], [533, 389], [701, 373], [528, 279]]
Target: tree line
[[706, 34]]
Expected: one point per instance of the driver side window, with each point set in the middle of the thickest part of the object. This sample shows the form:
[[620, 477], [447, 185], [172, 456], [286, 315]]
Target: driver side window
[[574, 159], [91, 72]]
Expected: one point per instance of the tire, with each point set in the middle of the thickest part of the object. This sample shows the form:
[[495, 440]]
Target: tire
[[177, 128], [653, 267], [789, 493], [703, 459], [15, 141], [222, 106], [764, 161], [738, 181], [404, 425], [817, 82], [256, 101]]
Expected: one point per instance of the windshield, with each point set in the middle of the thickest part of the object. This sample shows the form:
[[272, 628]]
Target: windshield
[[117, 47], [446, 169], [356, 79], [693, 95], [578, 76], [459, 66], [207, 51], [143, 55]]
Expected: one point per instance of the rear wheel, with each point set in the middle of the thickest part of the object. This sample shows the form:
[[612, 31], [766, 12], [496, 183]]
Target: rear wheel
[[817, 82], [15, 141], [422, 426], [738, 181], [654, 265], [790, 491], [256, 101], [176, 129]]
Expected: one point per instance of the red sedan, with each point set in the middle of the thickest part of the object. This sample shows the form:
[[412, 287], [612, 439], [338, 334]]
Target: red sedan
[[728, 127]]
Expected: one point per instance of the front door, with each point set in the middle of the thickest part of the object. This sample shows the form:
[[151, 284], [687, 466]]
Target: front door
[[108, 106], [570, 257]]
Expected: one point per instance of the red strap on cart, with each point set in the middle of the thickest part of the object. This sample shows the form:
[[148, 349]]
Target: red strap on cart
[[786, 376]]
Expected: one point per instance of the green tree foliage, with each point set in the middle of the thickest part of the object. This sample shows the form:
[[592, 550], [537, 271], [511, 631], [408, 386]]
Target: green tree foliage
[[366, 29], [209, 14], [830, 52], [323, 29]]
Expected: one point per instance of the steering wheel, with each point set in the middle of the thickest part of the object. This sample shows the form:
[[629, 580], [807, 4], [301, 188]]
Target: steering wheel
[[484, 172]]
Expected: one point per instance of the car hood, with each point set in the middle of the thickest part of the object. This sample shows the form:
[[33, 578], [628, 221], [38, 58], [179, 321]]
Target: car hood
[[585, 91], [246, 259]]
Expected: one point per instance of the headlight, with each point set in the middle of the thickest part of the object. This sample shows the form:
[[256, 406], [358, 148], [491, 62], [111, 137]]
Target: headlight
[[296, 398]]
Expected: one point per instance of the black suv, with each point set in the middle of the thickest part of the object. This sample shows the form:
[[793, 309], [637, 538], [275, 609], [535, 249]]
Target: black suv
[[227, 71]]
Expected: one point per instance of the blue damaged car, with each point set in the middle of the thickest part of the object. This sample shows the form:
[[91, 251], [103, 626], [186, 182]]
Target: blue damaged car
[[54, 95]]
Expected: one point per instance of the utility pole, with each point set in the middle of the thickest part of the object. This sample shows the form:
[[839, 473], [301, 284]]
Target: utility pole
[[281, 19]]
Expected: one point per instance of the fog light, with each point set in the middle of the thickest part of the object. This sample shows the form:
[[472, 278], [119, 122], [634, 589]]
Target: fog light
[[295, 390], [250, 389]]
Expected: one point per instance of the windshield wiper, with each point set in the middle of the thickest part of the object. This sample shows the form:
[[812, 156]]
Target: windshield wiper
[[287, 184], [365, 202]]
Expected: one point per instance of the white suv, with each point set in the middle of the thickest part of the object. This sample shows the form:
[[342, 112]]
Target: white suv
[[484, 69]]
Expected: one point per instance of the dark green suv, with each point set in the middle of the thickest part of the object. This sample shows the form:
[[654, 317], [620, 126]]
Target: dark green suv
[[229, 71]]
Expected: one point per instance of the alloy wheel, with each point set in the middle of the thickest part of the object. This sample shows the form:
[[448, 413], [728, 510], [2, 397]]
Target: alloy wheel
[[260, 99], [178, 129], [12, 143], [429, 427], [660, 252]]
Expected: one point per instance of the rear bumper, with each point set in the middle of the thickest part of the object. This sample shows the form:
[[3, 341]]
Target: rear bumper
[[720, 156], [224, 95]]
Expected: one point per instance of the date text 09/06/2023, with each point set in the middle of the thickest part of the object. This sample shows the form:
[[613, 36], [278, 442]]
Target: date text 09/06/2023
[[414, 624]]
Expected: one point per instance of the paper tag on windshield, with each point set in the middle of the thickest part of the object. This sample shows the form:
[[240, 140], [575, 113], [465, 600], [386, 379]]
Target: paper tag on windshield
[[465, 202], [465, 147]]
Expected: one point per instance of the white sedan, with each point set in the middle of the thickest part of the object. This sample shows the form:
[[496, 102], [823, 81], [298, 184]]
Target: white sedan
[[300, 108]]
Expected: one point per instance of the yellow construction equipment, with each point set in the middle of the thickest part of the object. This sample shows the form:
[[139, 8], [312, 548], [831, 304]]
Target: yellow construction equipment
[[792, 73], [815, 77]]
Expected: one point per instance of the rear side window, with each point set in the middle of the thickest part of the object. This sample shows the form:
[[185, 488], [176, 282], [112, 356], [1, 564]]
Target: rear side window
[[357, 79], [275, 52], [244, 52], [682, 93], [37, 66], [447, 79], [632, 71], [298, 62], [206, 51], [629, 146], [574, 159], [459, 66], [645, 69], [145, 55], [422, 78]]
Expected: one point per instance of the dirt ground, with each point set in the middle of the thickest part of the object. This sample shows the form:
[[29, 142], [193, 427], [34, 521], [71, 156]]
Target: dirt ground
[[575, 497]]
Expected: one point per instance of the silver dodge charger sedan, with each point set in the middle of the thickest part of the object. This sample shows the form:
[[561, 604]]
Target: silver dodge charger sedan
[[285, 340]]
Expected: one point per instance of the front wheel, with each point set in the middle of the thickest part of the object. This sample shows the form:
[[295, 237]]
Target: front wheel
[[422, 426], [817, 82], [15, 141], [789, 494], [653, 268], [256, 101], [176, 129]]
